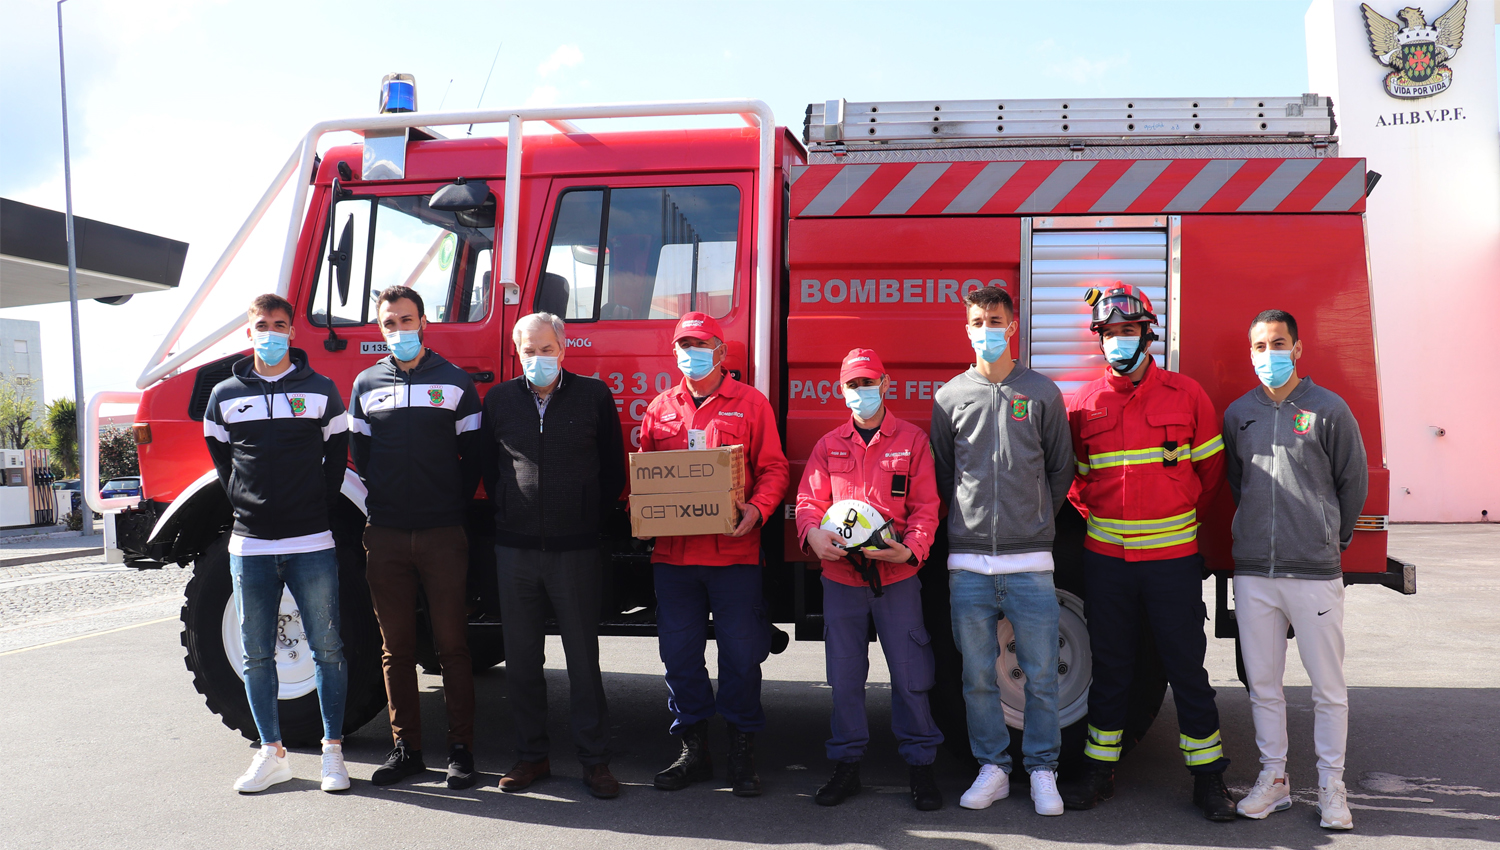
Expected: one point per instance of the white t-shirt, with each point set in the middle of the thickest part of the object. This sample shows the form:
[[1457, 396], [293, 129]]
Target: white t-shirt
[[994, 565], [243, 546]]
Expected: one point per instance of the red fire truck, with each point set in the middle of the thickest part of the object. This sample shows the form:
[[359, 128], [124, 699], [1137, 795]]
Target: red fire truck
[[867, 231]]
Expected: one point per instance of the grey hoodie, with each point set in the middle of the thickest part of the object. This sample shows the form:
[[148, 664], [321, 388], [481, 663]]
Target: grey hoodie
[[1004, 460], [1298, 474]]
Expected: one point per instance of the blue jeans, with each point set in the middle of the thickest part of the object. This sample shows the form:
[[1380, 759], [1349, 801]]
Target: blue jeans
[[1029, 601], [313, 578], [684, 598]]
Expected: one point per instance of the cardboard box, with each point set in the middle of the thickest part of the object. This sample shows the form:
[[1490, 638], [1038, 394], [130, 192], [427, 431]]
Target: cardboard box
[[684, 514], [706, 470]]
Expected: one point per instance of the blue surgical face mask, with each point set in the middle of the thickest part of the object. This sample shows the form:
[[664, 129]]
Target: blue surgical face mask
[[1274, 368], [1119, 350], [696, 363], [989, 342], [541, 371], [270, 346], [406, 345], [864, 401]]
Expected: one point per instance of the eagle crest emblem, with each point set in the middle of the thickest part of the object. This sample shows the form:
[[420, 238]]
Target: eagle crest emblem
[[1415, 51]]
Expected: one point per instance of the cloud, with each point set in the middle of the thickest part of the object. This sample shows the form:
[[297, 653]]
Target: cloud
[[1081, 70], [565, 56], [542, 96]]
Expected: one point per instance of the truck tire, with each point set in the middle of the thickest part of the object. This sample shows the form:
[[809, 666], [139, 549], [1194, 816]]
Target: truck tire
[[209, 636], [486, 646]]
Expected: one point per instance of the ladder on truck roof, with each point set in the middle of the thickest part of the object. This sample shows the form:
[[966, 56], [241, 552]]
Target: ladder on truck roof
[[841, 124]]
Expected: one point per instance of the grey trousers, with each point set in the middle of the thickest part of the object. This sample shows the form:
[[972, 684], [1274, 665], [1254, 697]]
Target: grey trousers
[[573, 582]]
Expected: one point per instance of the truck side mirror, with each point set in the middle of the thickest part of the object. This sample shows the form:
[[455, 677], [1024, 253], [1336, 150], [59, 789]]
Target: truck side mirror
[[341, 261], [461, 195]]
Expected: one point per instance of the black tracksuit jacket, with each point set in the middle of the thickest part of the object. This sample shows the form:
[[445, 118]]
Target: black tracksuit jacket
[[280, 448], [416, 442], [552, 480]]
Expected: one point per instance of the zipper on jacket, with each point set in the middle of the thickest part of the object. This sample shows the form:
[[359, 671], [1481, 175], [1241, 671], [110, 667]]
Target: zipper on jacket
[[1275, 430], [995, 476], [541, 459]]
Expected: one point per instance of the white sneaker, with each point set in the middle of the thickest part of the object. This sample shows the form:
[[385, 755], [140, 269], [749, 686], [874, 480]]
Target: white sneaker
[[1333, 806], [1272, 793], [335, 775], [1044, 793], [266, 769], [992, 784]]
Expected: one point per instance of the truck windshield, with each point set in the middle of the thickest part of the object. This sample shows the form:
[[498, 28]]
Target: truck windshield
[[400, 240], [667, 251]]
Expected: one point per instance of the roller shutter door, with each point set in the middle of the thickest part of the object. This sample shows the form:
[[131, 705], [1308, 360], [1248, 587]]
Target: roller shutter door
[[1064, 264]]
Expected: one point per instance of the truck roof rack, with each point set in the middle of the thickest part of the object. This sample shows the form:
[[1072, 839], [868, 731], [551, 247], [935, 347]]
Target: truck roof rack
[[922, 123]]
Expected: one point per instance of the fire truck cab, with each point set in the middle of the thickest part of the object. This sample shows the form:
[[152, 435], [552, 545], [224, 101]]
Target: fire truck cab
[[867, 231]]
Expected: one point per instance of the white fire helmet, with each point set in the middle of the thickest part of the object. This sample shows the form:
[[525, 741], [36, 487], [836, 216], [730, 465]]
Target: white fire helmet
[[857, 525]]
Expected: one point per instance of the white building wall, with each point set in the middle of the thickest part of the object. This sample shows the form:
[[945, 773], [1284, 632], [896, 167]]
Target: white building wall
[[21, 354], [1434, 237]]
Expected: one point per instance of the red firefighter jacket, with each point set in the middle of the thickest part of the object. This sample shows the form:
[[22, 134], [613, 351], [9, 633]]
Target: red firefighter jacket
[[1150, 459], [734, 415], [898, 460]]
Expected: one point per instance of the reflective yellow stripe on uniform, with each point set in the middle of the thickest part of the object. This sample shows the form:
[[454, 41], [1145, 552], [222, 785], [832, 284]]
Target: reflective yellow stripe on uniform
[[1197, 751], [1210, 448], [1083, 468], [1103, 746], [1145, 534]]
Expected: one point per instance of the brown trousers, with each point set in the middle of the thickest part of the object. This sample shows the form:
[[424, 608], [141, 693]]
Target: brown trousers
[[396, 561]]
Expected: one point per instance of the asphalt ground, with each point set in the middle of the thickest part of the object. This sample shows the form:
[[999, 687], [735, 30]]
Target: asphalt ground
[[104, 743]]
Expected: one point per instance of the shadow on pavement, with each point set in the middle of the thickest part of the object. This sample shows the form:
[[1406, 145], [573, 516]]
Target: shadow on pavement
[[1421, 765]]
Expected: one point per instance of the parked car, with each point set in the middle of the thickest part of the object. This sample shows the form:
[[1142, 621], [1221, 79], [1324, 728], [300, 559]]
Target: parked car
[[118, 487]]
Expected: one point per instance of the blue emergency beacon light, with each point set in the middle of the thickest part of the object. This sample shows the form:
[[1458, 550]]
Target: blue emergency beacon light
[[398, 93]]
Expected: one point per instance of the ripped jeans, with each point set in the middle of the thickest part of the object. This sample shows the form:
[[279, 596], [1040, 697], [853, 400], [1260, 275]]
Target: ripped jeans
[[313, 578]]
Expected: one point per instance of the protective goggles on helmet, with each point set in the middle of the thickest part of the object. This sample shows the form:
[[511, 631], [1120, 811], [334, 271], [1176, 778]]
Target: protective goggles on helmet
[[1120, 303]]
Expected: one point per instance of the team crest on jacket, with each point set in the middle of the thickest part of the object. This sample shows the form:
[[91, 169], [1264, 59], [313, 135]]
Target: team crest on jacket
[[435, 395], [298, 403], [1416, 52], [1303, 422], [1020, 408]]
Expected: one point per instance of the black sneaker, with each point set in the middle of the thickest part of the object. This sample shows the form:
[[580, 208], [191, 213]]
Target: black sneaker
[[1210, 795], [400, 764], [925, 794], [460, 767], [843, 785]]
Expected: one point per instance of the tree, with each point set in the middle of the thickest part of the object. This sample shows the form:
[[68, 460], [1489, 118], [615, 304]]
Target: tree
[[18, 423], [117, 455], [62, 423]]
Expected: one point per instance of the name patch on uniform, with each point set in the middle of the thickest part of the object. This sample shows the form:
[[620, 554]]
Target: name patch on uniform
[[732, 413], [669, 416], [1099, 414], [1303, 422], [838, 453]]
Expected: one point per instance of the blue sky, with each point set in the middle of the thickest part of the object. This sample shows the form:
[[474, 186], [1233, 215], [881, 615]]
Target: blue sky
[[182, 110]]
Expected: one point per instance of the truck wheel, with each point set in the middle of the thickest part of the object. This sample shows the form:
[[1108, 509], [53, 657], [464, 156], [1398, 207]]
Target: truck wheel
[[486, 646], [210, 635]]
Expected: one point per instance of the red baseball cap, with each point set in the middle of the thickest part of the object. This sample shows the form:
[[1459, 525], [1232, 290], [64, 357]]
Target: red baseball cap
[[698, 326], [861, 363]]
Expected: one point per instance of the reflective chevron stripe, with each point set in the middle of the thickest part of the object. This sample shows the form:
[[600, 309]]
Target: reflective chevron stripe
[[1079, 187]]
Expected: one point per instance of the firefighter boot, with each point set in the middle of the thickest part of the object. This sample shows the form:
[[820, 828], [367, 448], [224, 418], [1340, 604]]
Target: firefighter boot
[[1096, 785], [743, 780], [693, 763], [1210, 795]]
